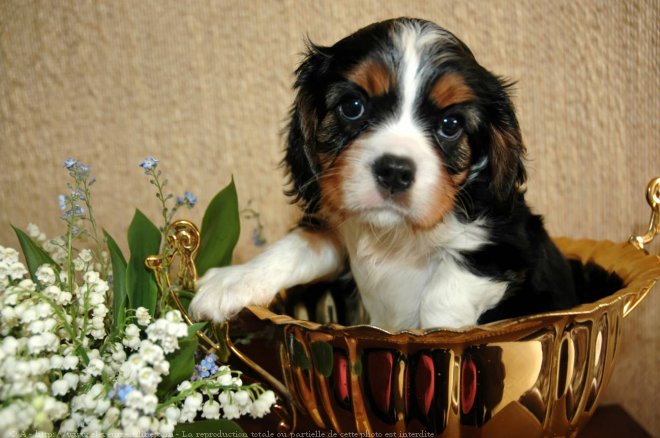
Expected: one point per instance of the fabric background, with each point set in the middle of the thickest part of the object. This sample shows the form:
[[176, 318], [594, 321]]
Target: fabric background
[[205, 87]]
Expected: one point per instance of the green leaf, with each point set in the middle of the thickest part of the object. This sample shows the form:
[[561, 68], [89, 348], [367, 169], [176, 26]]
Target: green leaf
[[323, 357], [220, 230], [192, 329], [118, 282], [299, 357], [35, 256], [219, 334], [357, 367], [185, 296], [200, 428], [143, 241], [182, 365]]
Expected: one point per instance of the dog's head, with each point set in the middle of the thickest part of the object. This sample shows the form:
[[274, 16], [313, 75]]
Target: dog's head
[[395, 123]]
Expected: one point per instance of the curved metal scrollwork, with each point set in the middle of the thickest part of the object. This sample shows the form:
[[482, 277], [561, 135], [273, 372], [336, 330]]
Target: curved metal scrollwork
[[653, 198], [183, 240]]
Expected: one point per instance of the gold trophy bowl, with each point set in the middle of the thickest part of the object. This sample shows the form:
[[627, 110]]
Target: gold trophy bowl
[[536, 376]]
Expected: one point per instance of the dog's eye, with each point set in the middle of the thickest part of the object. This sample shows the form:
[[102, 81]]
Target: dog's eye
[[351, 109], [451, 127]]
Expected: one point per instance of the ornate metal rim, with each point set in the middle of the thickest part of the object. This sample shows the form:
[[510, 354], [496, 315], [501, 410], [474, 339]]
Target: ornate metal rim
[[638, 270]]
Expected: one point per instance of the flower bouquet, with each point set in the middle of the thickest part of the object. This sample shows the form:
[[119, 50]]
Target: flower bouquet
[[92, 343]]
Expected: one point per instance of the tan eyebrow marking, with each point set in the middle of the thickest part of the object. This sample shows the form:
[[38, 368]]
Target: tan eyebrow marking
[[450, 89], [372, 76]]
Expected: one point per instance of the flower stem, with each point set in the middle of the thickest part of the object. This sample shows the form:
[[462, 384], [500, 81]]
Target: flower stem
[[69, 262], [161, 196], [92, 221]]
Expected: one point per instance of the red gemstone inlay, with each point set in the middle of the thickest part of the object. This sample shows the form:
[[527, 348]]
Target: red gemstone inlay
[[340, 373], [425, 383], [468, 385], [380, 364]]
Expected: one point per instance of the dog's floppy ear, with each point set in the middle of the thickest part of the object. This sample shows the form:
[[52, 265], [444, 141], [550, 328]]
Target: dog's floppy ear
[[300, 158], [507, 151]]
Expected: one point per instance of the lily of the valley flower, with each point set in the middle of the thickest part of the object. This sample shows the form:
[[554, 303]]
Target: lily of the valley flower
[[62, 373]]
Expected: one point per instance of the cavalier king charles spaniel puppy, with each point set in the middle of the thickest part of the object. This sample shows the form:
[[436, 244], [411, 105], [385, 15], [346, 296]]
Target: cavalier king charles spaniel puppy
[[407, 159]]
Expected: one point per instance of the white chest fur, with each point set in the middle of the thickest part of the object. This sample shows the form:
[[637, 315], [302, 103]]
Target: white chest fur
[[418, 279]]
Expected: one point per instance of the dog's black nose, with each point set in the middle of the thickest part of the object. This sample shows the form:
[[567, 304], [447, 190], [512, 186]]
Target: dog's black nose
[[394, 174]]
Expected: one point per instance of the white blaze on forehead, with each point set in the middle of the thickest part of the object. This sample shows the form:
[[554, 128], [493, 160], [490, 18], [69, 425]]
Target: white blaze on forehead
[[400, 135], [408, 69], [412, 40]]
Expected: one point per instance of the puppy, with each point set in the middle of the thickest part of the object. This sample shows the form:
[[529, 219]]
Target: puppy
[[407, 159]]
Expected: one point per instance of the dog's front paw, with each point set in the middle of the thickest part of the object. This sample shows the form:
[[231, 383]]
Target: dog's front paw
[[223, 292]]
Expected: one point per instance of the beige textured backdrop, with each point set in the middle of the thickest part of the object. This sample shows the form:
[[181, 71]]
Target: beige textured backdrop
[[205, 86]]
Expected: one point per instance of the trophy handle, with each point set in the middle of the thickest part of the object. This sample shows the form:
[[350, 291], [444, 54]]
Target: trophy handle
[[641, 242], [183, 240], [653, 198]]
